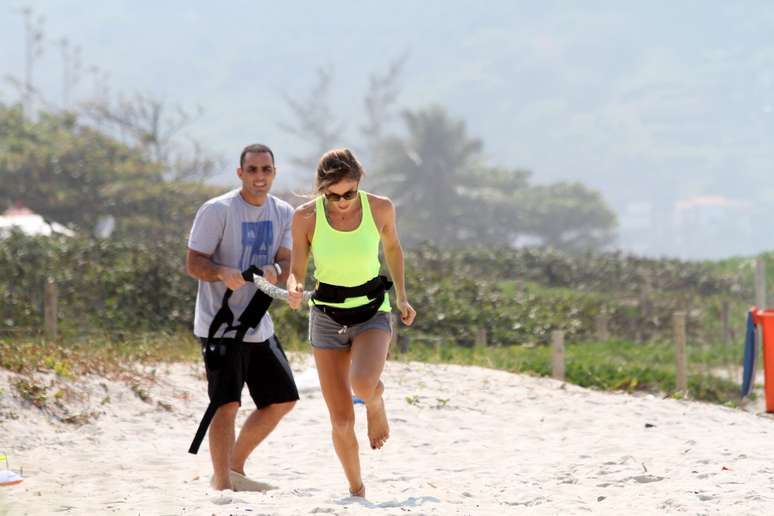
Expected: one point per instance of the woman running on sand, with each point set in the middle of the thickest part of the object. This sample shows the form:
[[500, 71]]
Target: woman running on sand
[[349, 323]]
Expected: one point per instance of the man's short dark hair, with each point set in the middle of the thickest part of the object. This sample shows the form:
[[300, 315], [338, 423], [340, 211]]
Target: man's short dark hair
[[255, 148]]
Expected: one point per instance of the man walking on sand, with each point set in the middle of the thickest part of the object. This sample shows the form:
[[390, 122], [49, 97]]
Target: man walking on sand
[[246, 227]]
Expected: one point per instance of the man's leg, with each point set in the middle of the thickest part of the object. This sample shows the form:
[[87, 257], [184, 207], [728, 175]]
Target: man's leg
[[221, 444], [269, 379], [257, 426], [224, 385]]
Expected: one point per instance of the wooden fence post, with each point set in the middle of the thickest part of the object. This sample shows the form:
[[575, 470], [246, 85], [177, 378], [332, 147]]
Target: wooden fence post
[[557, 354], [647, 308], [50, 309], [760, 283], [394, 323], [403, 343], [725, 320], [603, 334], [681, 381], [480, 338]]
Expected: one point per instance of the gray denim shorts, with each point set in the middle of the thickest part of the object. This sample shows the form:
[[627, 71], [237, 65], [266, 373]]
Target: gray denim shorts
[[325, 333]]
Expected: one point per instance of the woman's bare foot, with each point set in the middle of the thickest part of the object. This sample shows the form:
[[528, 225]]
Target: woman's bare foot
[[378, 426], [360, 492]]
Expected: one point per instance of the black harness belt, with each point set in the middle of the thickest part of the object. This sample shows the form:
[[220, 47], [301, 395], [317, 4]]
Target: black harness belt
[[373, 289], [249, 319]]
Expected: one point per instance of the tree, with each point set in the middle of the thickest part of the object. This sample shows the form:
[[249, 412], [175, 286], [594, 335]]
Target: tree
[[379, 103], [447, 197], [423, 171], [73, 174], [567, 216], [488, 195], [314, 122], [156, 129], [316, 125]]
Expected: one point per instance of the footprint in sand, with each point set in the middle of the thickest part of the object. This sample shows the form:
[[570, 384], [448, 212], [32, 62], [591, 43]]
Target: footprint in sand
[[645, 479], [225, 500]]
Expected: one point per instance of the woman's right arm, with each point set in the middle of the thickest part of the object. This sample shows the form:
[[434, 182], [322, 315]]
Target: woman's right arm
[[300, 229]]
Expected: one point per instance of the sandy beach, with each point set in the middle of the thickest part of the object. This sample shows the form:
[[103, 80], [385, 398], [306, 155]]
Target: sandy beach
[[464, 440]]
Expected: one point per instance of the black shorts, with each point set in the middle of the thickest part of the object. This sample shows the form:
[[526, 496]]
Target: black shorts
[[263, 366]]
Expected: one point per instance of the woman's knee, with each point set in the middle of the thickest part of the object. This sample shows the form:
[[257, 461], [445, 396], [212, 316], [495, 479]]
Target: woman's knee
[[343, 422], [363, 386]]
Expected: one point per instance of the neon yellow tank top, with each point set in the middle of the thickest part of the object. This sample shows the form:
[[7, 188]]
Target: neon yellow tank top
[[346, 258]]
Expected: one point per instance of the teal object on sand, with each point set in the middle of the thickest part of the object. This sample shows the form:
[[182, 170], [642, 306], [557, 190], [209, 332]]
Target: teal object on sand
[[750, 355]]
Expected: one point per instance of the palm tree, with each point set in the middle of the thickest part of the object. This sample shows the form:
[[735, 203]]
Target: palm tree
[[423, 172]]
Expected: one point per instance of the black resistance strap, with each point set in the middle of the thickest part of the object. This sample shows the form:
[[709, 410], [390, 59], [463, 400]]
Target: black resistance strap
[[249, 319]]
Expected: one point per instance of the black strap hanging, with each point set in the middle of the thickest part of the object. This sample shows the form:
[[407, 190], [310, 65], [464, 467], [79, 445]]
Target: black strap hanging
[[250, 318]]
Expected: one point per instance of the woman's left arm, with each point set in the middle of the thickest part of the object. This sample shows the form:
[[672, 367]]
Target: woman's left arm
[[393, 255]]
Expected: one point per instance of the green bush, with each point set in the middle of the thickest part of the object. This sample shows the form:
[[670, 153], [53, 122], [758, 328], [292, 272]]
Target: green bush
[[521, 295], [119, 286], [518, 296]]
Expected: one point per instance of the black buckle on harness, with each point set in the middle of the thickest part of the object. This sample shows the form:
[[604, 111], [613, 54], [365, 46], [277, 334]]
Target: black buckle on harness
[[250, 318]]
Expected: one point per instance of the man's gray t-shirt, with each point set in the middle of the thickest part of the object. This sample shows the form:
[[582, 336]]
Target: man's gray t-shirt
[[237, 234]]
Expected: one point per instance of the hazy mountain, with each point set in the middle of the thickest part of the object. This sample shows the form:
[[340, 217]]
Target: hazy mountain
[[666, 107]]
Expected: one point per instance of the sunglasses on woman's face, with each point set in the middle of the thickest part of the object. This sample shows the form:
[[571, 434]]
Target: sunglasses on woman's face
[[346, 196]]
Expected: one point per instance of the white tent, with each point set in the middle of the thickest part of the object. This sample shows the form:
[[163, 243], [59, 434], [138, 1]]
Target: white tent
[[29, 223]]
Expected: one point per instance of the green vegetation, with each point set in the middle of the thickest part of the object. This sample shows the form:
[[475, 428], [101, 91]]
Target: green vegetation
[[613, 365], [127, 298], [107, 355], [124, 301], [123, 287], [34, 393], [520, 296], [436, 169], [73, 174], [744, 268], [435, 173]]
